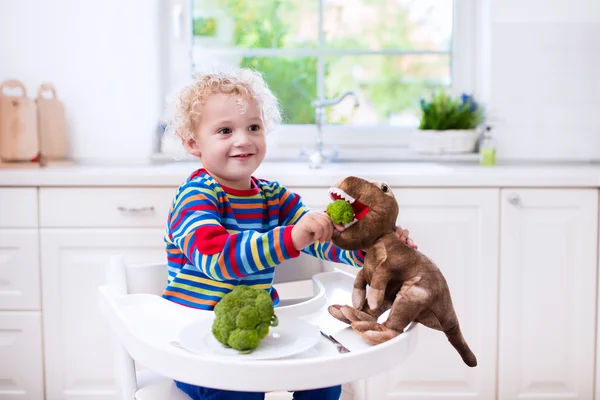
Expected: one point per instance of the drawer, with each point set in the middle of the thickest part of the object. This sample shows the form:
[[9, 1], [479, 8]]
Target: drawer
[[105, 207], [19, 269], [18, 208], [21, 365]]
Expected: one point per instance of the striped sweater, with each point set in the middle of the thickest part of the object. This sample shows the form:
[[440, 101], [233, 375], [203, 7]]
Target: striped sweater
[[218, 237]]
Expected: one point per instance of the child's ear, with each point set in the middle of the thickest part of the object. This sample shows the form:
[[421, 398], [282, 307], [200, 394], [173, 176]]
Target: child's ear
[[191, 145]]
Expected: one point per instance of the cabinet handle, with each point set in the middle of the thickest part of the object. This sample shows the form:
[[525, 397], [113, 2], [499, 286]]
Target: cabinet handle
[[136, 210], [513, 198]]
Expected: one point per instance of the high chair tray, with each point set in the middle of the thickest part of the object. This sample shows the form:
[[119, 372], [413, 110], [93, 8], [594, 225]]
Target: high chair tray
[[149, 328]]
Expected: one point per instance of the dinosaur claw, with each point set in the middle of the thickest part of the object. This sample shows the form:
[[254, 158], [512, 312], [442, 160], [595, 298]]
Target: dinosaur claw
[[374, 333], [353, 315], [336, 312], [358, 298], [375, 298]]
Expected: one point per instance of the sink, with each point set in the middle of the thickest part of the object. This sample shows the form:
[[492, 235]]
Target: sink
[[357, 168], [367, 169]]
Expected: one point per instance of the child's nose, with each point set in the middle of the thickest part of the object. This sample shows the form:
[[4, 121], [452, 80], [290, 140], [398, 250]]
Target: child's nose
[[242, 139]]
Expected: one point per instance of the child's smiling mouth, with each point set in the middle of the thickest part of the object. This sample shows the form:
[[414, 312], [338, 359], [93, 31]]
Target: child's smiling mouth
[[243, 156]]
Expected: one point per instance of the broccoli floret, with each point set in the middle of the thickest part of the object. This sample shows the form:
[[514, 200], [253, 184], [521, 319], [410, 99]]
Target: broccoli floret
[[244, 340], [340, 211], [243, 317]]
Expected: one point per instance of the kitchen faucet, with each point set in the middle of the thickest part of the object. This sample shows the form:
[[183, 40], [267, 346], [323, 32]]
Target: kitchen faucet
[[320, 157]]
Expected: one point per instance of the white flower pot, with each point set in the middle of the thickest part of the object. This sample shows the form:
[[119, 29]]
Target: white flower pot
[[443, 142]]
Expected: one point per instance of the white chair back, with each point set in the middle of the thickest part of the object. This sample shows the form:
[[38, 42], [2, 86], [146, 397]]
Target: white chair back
[[152, 278], [146, 278]]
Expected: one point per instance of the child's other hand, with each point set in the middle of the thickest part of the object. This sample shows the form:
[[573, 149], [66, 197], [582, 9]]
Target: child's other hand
[[312, 227], [403, 235]]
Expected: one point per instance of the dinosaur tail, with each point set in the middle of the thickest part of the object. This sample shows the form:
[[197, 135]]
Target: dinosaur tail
[[457, 340]]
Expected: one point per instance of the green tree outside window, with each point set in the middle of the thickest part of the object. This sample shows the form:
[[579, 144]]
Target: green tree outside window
[[392, 83]]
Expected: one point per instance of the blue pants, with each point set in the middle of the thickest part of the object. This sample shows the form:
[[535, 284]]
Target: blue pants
[[201, 393]]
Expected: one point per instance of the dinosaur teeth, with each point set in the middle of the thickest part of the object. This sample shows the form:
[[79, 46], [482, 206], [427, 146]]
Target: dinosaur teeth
[[337, 193], [349, 224]]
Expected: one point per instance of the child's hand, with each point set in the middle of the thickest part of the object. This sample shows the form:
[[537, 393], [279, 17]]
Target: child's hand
[[312, 227], [403, 235]]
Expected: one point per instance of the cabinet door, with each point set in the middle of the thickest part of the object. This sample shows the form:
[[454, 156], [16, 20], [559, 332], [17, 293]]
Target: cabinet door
[[77, 342], [547, 293], [458, 229], [21, 373], [19, 269]]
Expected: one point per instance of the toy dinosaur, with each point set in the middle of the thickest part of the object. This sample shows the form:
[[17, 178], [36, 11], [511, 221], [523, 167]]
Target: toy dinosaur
[[399, 277]]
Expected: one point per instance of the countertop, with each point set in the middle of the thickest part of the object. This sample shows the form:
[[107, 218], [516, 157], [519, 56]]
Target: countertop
[[297, 174]]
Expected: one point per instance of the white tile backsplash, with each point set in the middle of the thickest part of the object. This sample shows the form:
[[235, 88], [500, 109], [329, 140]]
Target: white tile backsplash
[[545, 10], [103, 58], [544, 81]]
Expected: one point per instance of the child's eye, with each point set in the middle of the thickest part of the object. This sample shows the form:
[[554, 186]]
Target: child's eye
[[224, 131], [254, 127]]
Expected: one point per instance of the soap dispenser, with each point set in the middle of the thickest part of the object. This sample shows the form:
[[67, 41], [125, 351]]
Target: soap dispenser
[[487, 149]]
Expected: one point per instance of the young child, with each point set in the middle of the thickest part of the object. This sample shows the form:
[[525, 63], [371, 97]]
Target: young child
[[226, 227]]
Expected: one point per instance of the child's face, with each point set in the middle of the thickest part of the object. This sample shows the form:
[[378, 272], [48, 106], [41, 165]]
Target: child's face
[[230, 139]]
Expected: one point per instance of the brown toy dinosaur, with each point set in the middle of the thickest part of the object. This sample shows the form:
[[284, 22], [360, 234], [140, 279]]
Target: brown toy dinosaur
[[400, 278]]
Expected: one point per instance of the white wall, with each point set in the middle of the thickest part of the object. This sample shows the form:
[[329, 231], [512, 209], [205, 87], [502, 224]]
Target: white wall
[[544, 78], [102, 59]]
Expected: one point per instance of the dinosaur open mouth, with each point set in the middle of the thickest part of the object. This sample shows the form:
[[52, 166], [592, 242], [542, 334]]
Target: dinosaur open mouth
[[360, 209]]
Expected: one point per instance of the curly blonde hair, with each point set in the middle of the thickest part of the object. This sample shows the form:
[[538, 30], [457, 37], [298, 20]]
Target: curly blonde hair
[[248, 84]]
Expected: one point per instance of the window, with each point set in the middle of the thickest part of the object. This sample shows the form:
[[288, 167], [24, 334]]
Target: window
[[390, 53]]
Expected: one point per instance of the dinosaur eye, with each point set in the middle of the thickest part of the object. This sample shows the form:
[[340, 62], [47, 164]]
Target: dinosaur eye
[[385, 188]]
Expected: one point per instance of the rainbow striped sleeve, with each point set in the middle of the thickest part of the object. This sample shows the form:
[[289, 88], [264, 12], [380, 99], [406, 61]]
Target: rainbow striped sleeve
[[292, 209], [195, 229]]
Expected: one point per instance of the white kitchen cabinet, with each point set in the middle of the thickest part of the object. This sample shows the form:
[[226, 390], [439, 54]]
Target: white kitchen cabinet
[[19, 269], [78, 354], [105, 207], [537, 245], [21, 369], [18, 207], [547, 293], [21, 366]]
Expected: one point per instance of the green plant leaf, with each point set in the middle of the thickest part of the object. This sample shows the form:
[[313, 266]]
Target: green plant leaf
[[443, 112]]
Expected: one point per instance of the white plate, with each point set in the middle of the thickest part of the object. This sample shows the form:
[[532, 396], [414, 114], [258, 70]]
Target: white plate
[[291, 336]]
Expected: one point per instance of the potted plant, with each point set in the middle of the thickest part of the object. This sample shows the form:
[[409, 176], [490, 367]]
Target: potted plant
[[448, 125]]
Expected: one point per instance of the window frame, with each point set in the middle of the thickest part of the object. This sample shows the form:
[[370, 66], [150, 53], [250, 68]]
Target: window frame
[[288, 140]]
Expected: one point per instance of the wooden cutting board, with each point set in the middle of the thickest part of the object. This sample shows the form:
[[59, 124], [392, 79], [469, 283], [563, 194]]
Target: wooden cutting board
[[51, 124], [18, 124]]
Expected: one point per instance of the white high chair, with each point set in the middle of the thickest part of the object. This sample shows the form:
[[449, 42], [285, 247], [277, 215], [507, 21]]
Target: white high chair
[[131, 301], [143, 384], [134, 383]]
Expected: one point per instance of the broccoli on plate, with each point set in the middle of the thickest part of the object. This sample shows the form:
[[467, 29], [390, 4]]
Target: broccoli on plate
[[243, 317]]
